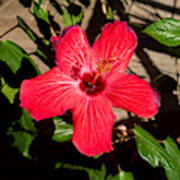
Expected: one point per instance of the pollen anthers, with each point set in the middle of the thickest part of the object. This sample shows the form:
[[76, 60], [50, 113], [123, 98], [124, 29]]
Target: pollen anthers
[[103, 66]]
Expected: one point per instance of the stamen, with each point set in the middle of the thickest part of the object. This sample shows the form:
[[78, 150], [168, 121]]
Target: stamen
[[104, 66]]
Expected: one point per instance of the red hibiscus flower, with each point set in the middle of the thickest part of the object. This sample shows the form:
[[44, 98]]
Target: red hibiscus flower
[[89, 81]]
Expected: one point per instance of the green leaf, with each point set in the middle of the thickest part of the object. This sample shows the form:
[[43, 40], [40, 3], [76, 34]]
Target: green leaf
[[94, 174], [25, 134], [41, 13], [71, 19], [77, 19], [63, 131], [174, 153], [26, 121], [172, 149], [166, 31], [39, 2], [110, 13], [67, 20], [172, 175], [124, 176], [11, 54], [150, 150], [23, 140], [121, 176], [58, 165], [100, 174], [97, 156], [8, 91], [41, 54], [97, 174], [46, 42]]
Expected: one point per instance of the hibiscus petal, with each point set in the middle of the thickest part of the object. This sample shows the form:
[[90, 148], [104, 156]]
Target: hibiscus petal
[[133, 94], [74, 53], [93, 122], [117, 43], [56, 40], [49, 94]]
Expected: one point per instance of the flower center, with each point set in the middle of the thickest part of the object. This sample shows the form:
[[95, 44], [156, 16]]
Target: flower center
[[90, 86], [93, 84]]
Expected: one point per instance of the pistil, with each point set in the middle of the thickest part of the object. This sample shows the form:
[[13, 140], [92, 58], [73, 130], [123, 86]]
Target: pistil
[[97, 75]]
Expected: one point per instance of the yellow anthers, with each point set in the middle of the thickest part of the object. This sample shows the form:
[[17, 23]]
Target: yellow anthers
[[104, 66]]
